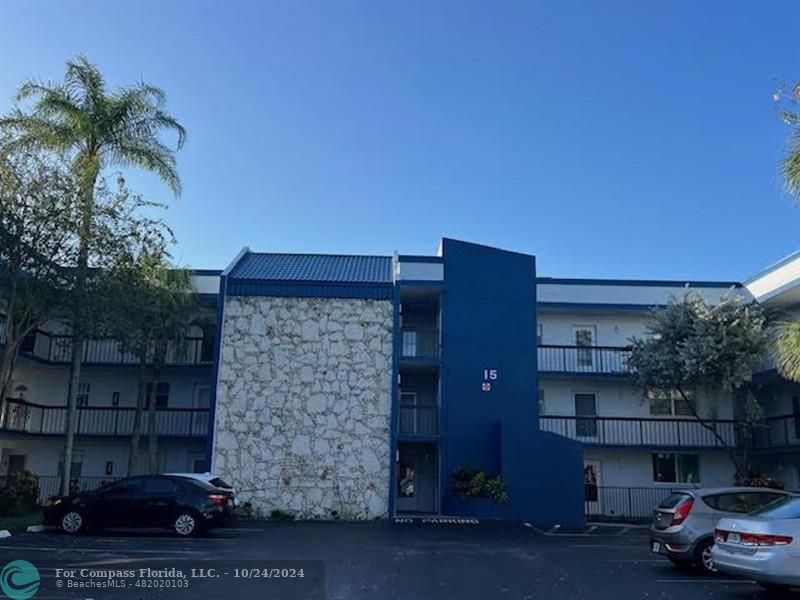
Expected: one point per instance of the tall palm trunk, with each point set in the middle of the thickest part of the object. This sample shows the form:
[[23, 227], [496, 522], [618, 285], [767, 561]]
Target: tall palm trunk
[[136, 433], [87, 167]]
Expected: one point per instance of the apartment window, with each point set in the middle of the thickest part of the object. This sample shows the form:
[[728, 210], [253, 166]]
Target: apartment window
[[409, 342], [83, 393], [669, 405], [75, 470], [197, 463], [584, 336], [586, 413], [202, 395], [161, 395], [207, 344], [676, 468]]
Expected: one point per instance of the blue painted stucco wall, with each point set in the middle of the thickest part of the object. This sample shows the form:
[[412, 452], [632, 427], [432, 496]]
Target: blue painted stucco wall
[[489, 322]]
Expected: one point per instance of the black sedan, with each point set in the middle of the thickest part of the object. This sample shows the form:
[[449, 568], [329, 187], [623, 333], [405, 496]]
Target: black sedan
[[186, 506]]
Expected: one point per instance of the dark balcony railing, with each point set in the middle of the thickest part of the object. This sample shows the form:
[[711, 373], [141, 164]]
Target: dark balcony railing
[[607, 360], [418, 419], [57, 348], [27, 417], [778, 432], [419, 343], [628, 431]]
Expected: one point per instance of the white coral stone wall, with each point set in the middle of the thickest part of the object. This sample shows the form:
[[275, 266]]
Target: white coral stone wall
[[303, 405]]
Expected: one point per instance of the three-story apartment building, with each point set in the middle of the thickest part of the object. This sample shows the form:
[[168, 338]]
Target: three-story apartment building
[[355, 386], [33, 415], [635, 447]]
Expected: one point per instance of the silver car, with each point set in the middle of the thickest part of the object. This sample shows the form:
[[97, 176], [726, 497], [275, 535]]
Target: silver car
[[764, 545], [683, 523]]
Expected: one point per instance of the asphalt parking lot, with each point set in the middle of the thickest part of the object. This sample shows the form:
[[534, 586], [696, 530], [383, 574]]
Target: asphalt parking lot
[[391, 561]]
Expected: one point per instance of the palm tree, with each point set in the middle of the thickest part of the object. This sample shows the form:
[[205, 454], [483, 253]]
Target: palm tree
[[787, 349], [96, 128], [787, 333], [790, 167]]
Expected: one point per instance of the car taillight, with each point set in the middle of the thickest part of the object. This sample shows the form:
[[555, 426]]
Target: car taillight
[[682, 511], [218, 499], [763, 539], [751, 539]]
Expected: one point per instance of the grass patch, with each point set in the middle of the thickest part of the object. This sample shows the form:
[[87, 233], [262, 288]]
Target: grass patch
[[21, 522]]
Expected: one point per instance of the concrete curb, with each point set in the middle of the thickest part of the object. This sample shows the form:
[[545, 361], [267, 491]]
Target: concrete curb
[[35, 528]]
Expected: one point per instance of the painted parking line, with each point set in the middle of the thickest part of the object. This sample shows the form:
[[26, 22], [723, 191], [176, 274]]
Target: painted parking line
[[94, 550], [617, 546], [636, 560], [725, 581]]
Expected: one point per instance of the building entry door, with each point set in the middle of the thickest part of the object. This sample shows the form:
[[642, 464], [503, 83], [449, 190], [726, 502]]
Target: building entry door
[[591, 486], [416, 478]]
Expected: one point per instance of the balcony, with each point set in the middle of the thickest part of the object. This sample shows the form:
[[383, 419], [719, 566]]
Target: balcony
[[584, 360], [57, 349], [27, 417], [419, 344], [419, 420], [647, 432], [778, 432]]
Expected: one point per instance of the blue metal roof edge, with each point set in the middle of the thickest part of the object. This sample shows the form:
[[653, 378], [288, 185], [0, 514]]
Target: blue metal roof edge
[[597, 306], [310, 289], [237, 259], [637, 282]]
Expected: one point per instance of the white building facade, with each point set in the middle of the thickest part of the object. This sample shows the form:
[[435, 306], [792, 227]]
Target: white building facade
[[312, 400]]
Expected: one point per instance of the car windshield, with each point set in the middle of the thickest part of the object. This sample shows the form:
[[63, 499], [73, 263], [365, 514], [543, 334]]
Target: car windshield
[[784, 508]]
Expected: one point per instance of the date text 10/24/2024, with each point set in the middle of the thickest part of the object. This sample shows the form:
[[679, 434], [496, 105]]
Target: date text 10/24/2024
[[278, 579], [192, 573]]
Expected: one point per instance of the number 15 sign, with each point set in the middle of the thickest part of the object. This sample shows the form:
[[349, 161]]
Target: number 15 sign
[[489, 375]]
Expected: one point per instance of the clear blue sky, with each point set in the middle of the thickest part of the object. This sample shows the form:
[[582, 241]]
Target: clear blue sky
[[610, 139]]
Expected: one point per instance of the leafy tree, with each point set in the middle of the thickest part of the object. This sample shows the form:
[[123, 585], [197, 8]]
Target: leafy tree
[[155, 308], [174, 307], [702, 352], [37, 210], [96, 128]]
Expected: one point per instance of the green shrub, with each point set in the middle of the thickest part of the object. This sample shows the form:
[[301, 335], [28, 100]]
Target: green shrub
[[280, 515], [469, 482], [20, 495], [245, 511]]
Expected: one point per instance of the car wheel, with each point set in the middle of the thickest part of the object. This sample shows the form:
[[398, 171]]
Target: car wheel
[[186, 524], [73, 522], [702, 557]]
